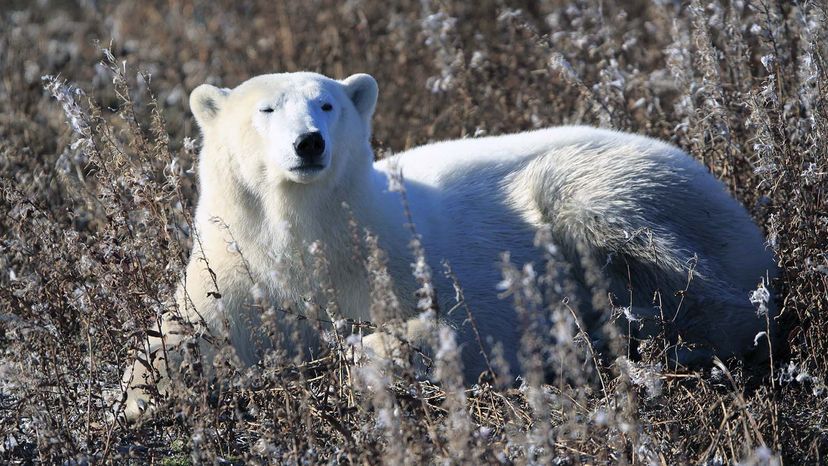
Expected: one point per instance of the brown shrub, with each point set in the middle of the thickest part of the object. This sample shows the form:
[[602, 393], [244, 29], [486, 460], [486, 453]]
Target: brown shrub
[[95, 222]]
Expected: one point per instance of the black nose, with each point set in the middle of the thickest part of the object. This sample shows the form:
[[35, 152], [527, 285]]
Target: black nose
[[309, 145]]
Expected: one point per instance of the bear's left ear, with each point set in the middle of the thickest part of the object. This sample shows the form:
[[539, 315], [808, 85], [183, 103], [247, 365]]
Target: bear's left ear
[[205, 102], [362, 90]]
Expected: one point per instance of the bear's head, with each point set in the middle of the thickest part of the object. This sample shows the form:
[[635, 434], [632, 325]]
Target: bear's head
[[294, 128]]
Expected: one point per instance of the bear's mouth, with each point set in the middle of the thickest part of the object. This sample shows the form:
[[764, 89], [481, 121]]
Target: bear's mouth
[[308, 168], [306, 172]]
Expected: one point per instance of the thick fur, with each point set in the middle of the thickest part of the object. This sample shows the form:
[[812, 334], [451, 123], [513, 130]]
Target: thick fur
[[640, 208]]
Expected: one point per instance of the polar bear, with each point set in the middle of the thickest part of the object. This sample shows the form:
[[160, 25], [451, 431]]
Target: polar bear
[[282, 154]]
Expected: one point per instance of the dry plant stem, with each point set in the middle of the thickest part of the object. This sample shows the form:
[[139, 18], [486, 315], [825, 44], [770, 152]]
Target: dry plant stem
[[461, 301], [588, 340]]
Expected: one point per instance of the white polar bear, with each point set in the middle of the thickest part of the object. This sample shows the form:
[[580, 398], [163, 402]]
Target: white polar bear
[[283, 152]]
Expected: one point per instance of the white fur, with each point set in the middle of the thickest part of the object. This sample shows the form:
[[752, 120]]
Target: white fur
[[602, 193]]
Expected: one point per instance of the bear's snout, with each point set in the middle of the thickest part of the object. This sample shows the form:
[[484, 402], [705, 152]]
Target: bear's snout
[[309, 145]]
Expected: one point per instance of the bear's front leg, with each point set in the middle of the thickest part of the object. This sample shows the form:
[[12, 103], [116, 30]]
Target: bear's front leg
[[401, 343], [147, 376]]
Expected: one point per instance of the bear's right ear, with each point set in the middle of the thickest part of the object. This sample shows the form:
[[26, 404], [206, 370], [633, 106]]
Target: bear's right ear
[[205, 102], [362, 90]]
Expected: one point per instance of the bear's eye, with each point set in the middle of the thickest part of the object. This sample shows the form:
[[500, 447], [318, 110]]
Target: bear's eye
[[266, 110], [326, 107]]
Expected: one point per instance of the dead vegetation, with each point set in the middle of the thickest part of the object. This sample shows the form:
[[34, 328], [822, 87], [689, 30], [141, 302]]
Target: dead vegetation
[[97, 188]]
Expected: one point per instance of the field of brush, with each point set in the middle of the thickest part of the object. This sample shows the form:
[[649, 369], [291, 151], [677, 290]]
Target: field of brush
[[97, 189]]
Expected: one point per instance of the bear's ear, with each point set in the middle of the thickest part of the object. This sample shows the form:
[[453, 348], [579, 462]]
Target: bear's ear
[[362, 89], [205, 102]]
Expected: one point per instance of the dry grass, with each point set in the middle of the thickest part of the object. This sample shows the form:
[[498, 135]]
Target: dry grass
[[95, 222]]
